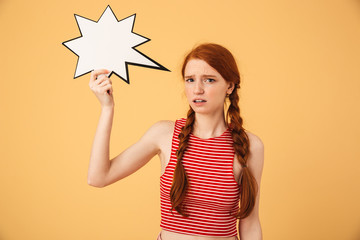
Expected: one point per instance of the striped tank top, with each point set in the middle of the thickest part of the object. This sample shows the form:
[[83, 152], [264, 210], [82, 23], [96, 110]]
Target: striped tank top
[[213, 192]]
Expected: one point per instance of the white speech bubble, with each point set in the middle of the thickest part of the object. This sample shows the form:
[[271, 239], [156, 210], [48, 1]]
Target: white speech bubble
[[110, 44]]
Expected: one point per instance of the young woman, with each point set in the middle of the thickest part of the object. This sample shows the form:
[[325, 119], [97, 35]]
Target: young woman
[[209, 162]]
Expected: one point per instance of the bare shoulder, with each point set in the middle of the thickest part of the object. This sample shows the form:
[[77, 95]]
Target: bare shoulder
[[163, 127], [160, 132], [163, 133], [256, 144]]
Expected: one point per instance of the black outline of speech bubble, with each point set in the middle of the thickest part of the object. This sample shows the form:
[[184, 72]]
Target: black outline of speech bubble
[[126, 63]]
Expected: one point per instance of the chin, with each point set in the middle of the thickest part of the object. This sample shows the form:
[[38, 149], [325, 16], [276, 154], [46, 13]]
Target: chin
[[205, 110], [201, 110]]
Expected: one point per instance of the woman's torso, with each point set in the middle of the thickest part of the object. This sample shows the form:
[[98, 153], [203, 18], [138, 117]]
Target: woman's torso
[[165, 143]]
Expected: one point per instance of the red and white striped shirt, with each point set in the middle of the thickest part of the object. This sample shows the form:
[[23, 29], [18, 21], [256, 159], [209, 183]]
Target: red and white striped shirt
[[213, 193]]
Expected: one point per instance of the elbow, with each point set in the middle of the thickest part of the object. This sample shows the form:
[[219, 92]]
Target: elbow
[[94, 183]]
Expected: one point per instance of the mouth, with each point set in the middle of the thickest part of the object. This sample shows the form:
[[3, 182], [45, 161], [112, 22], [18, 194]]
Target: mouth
[[198, 100]]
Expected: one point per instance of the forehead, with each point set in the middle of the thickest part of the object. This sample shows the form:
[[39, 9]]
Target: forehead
[[199, 67]]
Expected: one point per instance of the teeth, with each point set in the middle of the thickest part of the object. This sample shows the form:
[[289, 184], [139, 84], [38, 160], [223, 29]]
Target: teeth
[[199, 101]]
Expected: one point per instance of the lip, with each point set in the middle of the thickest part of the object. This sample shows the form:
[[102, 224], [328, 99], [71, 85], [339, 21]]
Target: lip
[[198, 99], [199, 104]]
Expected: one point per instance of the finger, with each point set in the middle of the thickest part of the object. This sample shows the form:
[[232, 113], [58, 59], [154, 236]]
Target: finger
[[94, 76], [104, 89], [92, 79], [92, 83], [101, 79], [107, 87], [96, 73], [111, 90], [104, 83], [101, 71]]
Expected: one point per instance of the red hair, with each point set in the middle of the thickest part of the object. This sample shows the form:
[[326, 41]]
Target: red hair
[[222, 61]]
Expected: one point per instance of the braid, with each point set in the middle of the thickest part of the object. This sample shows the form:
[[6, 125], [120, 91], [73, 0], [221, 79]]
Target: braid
[[180, 182], [241, 147]]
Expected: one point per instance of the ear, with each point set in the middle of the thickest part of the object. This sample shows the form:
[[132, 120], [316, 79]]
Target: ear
[[230, 88]]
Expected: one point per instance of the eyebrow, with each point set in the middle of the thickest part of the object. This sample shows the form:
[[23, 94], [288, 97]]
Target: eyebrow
[[209, 75], [201, 75]]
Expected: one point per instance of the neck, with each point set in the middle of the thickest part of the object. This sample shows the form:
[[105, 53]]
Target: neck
[[209, 126]]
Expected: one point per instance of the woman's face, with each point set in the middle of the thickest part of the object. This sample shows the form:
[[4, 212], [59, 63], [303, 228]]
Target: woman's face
[[205, 88]]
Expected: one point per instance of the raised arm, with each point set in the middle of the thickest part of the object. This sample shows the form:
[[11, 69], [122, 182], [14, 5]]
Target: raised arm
[[103, 171]]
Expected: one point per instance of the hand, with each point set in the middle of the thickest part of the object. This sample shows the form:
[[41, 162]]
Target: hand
[[101, 86]]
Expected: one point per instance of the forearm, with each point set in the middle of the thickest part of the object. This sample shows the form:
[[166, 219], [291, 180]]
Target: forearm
[[99, 159]]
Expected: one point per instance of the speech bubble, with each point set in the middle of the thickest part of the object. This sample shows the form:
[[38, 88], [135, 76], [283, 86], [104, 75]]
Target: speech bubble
[[109, 43]]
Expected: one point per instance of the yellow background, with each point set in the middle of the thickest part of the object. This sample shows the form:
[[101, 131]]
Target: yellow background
[[299, 62]]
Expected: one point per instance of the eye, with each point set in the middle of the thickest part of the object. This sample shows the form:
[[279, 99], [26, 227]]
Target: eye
[[210, 80], [189, 80]]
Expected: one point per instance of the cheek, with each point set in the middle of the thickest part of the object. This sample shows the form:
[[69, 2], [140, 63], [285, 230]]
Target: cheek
[[217, 94]]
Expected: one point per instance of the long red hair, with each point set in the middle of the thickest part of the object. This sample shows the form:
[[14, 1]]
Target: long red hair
[[222, 61]]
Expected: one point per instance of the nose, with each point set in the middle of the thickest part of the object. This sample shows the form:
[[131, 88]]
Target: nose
[[198, 88]]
